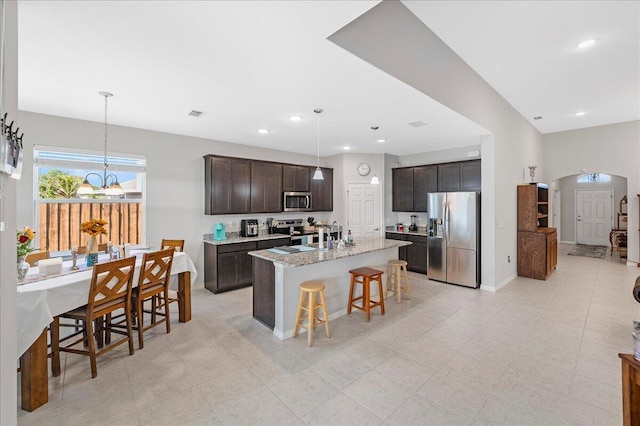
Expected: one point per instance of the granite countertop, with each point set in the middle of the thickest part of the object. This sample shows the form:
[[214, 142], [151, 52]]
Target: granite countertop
[[420, 231], [294, 260], [234, 237]]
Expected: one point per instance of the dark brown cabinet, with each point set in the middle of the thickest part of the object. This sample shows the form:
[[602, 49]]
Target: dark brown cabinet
[[227, 185], [264, 287], [470, 176], [321, 190], [227, 266], [410, 185], [448, 177], [266, 187], [402, 192], [425, 180], [295, 178], [417, 253]]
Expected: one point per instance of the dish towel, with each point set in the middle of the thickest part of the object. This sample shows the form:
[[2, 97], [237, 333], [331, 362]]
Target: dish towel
[[636, 290]]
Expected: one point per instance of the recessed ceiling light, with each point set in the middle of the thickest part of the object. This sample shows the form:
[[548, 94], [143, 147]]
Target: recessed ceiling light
[[295, 118], [263, 131], [382, 140], [581, 113], [346, 147], [586, 43]]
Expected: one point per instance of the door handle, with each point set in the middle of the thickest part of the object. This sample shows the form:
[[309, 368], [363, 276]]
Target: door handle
[[307, 201], [376, 229]]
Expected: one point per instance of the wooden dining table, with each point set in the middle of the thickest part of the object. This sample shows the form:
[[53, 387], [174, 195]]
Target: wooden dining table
[[40, 299]]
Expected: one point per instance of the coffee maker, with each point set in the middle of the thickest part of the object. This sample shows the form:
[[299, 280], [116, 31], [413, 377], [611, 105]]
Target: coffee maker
[[249, 227], [414, 223]]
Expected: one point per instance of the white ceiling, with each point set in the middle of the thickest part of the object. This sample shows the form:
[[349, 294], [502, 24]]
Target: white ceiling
[[250, 65]]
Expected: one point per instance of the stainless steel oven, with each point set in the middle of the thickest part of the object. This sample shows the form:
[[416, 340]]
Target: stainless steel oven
[[297, 201]]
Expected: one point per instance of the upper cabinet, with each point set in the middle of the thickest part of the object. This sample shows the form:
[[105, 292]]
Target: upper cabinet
[[295, 178], [321, 190], [425, 180], [449, 177], [410, 185], [402, 182], [266, 187], [239, 185], [227, 185], [470, 176]]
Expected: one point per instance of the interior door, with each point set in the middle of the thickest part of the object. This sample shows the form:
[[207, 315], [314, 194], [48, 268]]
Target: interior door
[[363, 202], [593, 216]]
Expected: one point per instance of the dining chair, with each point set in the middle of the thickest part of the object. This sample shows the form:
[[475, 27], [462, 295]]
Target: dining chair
[[153, 282], [101, 247], [110, 290], [33, 258], [177, 245]]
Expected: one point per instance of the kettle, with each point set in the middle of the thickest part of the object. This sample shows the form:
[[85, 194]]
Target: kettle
[[219, 233]]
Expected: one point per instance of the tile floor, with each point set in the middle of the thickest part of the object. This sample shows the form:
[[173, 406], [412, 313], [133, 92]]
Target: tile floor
[[533, 353]]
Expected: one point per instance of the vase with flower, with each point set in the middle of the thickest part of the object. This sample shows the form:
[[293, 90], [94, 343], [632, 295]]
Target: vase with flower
[[23, 241], [94, 227]]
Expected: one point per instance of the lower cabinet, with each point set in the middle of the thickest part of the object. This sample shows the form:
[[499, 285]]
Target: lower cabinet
[[417, 254], [537, 253], [229, 267]]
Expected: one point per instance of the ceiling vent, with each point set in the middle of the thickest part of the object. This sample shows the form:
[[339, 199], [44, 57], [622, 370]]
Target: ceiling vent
[[418, 124], [195, 113]]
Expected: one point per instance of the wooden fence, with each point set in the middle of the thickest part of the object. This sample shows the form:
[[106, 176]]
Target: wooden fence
[[59, 223]]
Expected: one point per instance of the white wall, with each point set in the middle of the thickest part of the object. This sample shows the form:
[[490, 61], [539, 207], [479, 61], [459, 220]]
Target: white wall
[[568, 186], [612, 149], [391, 38], [9, 99], [175, 175]]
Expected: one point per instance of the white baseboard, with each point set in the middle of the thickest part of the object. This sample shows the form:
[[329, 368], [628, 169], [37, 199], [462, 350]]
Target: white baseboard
[[568, 242], [500, 285]]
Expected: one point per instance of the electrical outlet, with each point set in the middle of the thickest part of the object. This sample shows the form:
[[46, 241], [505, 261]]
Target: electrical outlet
[[508, 259]]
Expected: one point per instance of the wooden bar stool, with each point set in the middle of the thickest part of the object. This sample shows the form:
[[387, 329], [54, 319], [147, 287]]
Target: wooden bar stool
[[396, 274], [311, 288], [364, 276]]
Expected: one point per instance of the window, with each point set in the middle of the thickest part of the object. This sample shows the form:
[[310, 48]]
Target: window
[[594, 177], [59, 209]]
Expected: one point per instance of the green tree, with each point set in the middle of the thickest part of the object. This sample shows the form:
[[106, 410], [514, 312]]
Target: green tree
[[59, 184]]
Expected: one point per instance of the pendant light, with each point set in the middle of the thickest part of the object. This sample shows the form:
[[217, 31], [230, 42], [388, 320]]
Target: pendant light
[[317, 175], [114, 188], [374, 178]]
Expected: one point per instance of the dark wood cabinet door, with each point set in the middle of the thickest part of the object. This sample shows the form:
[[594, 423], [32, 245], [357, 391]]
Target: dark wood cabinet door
[[245, 269], [470, 178], [295, 178], [417, 254], [227, 270], [449, 177], [402, 189], [266, 187], [425, 180], [321, 190], [227, 185]]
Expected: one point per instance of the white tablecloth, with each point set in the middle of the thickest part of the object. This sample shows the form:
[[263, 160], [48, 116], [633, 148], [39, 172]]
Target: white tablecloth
[[38, 302]]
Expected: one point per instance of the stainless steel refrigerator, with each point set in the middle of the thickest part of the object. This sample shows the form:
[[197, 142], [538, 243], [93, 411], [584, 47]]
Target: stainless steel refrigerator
[[453, 244]]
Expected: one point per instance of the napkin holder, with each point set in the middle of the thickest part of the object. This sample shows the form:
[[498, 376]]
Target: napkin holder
[[50, 266]]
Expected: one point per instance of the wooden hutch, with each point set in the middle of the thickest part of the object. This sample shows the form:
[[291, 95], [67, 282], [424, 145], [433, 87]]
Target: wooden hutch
[[537, 243]]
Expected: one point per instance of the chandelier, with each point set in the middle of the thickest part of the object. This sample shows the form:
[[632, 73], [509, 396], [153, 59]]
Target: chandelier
[[108, 189]]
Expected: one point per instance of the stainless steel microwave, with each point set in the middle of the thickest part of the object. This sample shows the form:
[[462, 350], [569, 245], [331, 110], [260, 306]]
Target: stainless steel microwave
[[297, 201]]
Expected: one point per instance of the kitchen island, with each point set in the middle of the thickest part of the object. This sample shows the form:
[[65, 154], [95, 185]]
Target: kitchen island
[[276, 278]]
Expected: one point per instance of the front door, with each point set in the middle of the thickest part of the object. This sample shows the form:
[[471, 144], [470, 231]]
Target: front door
[[363, 203], [593, 208]]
